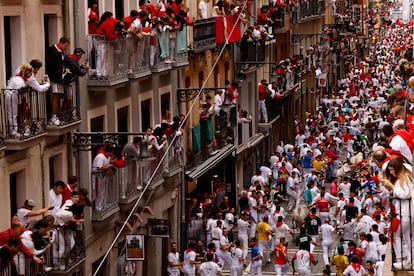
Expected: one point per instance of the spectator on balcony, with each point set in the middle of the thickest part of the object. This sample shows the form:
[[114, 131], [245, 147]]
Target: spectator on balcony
[[55, 69], [55, 196], [218, 102], [130, 18], [244, 48], [218, 9], [26, 211], [6, 253], [263, 16], [110, 29], [69, 188], [28, 238], [203, 9], [101, 165], [163, 28], [32, 81], [72, 72], [263, 93], [93, 17], [136, 45], [12, 99], [66, 222], [17, 228], [131, 152]]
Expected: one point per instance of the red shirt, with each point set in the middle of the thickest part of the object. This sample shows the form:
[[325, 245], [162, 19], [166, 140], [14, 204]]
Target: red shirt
[[280, 253], [107, 28], [323, 204], [67, 193], [262, 92], [7, 234]]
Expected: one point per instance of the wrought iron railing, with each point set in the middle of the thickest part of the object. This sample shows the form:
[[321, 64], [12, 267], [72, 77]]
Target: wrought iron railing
[[22, 113], [104, 190], [138, 56], [67, 250], [401, 234], [204, 34], [310, 8]]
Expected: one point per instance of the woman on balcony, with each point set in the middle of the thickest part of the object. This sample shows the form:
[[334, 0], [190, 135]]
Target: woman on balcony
[[399, 181], [12, 97]]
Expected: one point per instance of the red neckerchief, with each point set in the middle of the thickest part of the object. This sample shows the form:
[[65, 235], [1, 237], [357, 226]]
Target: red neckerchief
[[350, 204], [279, 223], [342, 198], [312, 216], [74, 57], [356, 267], [189, 250]]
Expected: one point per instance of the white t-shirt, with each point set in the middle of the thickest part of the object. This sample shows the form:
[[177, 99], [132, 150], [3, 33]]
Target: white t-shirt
[[350, 271], [209, 269], [173, 258], [55, 201], [188, 257], [236, 254], [21, 215], [242, 226], [327, 232], [203, 7]]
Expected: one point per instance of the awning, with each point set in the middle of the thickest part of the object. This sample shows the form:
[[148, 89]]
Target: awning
[[252, 142], [211, 162]]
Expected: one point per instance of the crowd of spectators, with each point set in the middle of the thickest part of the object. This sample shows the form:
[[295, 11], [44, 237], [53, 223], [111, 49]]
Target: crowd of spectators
[[335, 182], [49, 241]]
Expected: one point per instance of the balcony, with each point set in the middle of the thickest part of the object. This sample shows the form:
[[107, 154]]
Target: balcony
[[22, 117], [309, 10], [181, 51], [115, 61], [69, 111], [138, 57], [66, 254], [108, 61], [212, 134], [104, 193], [250, 54], [204, 35]]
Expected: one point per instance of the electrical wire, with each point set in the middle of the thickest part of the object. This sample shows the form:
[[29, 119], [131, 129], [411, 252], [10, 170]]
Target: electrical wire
[[170, 144]]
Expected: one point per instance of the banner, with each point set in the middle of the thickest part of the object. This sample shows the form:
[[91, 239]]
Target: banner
[[224, 27]]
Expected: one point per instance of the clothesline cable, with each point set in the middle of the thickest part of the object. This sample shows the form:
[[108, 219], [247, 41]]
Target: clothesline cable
[[138, 200]]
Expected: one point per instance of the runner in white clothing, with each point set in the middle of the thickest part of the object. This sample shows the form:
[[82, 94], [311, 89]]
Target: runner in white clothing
[[327, 232], [301, 262], [209, 268]]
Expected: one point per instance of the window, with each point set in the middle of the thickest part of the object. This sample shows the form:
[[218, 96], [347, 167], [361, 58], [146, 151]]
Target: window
[[97, 125], [55, 169], [12, 53], [146, 114], [122, 114], [165, 107], [200, 79], [119, 9], [226, 71], [51, 36], [17, 190], [216, 76]]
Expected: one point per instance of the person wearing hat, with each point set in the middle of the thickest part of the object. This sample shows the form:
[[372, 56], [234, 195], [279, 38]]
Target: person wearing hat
[[72, 71], [26, 211]]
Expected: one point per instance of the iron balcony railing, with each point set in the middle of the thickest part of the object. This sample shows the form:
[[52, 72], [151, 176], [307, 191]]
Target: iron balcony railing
[[114, 61], [310, 8], [204, 34], [67, 250], [22, 113]]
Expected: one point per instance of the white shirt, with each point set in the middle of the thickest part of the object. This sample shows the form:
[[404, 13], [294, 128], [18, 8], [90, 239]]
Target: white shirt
[[398, 143], [173, 258], [21, 215], [327, 232], [55, 201], [349, 271], [236, 254], [209, 268], [242, 226], [202, 6], [188, 257], [33, 83], [99, 161]]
